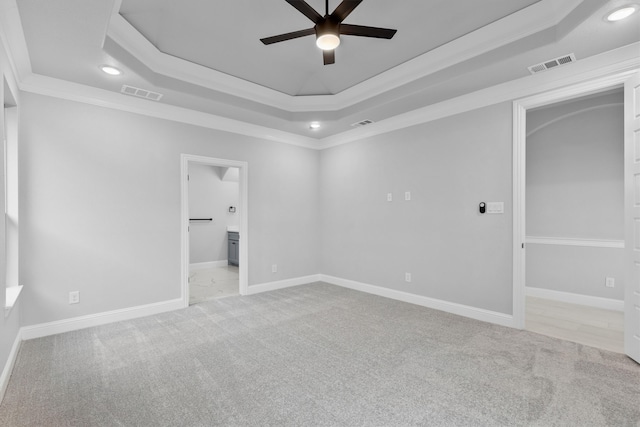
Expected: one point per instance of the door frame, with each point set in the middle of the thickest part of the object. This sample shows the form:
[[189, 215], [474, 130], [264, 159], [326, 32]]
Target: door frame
[[243, 205], [520, 108]]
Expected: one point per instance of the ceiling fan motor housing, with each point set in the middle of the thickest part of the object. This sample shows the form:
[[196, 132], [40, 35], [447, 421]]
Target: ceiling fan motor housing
[[328, 33]]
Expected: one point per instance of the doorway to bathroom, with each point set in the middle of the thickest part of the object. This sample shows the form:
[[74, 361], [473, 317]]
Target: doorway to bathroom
[[213, 232], [214, 254]]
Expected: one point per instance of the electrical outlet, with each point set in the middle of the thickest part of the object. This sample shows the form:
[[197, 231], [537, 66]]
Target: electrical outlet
[[274, 268], [610, 282], [389, 197], [407, 277], [74, 297], [407, 195]]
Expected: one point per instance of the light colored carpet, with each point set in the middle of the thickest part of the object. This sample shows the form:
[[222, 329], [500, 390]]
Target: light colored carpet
[[210, 283], [316, 355]]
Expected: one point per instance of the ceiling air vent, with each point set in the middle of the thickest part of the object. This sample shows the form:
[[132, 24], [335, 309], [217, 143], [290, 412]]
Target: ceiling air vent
[[552, 63], [141, 93], [362, 123]]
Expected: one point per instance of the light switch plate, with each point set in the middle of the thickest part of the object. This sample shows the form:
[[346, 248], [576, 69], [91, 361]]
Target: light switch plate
[[495, 207], [407, 195], [389, 197]]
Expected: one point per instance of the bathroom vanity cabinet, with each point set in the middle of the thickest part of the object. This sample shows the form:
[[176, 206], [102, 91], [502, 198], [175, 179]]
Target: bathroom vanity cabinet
[[233, 257]]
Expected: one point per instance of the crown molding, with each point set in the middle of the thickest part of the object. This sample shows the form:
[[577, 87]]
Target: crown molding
[[611, 63], [624, 59], [63, 89], [531, 20]]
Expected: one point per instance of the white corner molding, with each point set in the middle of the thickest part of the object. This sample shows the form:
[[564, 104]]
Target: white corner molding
[[81, 322], [63, 89], [605, 68], [437, 304], [568, 241], [571, 298], [538, 16], [8, 366], [613, 65], [282, 284]]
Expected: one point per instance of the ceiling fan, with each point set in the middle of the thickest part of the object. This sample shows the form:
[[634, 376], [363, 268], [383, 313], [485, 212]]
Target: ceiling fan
[[329, 27]]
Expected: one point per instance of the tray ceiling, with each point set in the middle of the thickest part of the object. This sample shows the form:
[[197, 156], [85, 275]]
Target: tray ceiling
[[224, 36], [206, 57]]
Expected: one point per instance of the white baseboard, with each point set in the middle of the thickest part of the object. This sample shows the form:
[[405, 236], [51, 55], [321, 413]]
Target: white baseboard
[[281, 284], [450, 307], [75, 323], [8, 367], [210, 264], [598, 302]]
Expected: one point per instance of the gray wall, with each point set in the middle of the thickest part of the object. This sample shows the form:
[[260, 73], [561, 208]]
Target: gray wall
[[100, 206], [92, 222], [577, 270], [575, 190], [450, 165], [210, 197], [575, 169]]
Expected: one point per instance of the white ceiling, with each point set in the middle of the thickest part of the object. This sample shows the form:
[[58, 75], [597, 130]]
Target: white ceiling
[[206, 55]]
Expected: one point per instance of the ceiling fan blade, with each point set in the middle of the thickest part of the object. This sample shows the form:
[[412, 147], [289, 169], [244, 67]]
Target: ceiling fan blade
[[288, 36], [364, 31], [329, 57], [345, 8], [306, 10]]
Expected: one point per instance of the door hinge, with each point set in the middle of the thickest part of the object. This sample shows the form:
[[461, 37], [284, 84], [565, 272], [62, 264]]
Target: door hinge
[[523, 246]]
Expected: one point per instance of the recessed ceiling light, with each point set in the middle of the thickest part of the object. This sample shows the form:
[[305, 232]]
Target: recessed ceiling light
[[314, 125], [112, 71], [621, 13]]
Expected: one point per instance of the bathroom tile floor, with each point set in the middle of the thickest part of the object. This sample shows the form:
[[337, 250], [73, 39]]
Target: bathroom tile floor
[[210, 283]]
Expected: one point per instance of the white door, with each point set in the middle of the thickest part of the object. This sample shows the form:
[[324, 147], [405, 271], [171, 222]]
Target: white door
[[632, 216]]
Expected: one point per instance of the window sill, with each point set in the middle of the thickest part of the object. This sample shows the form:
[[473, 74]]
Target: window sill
[[13, 292]]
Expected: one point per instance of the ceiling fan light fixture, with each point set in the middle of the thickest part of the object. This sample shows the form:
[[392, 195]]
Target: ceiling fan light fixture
[[328, 41], [329, 27]]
